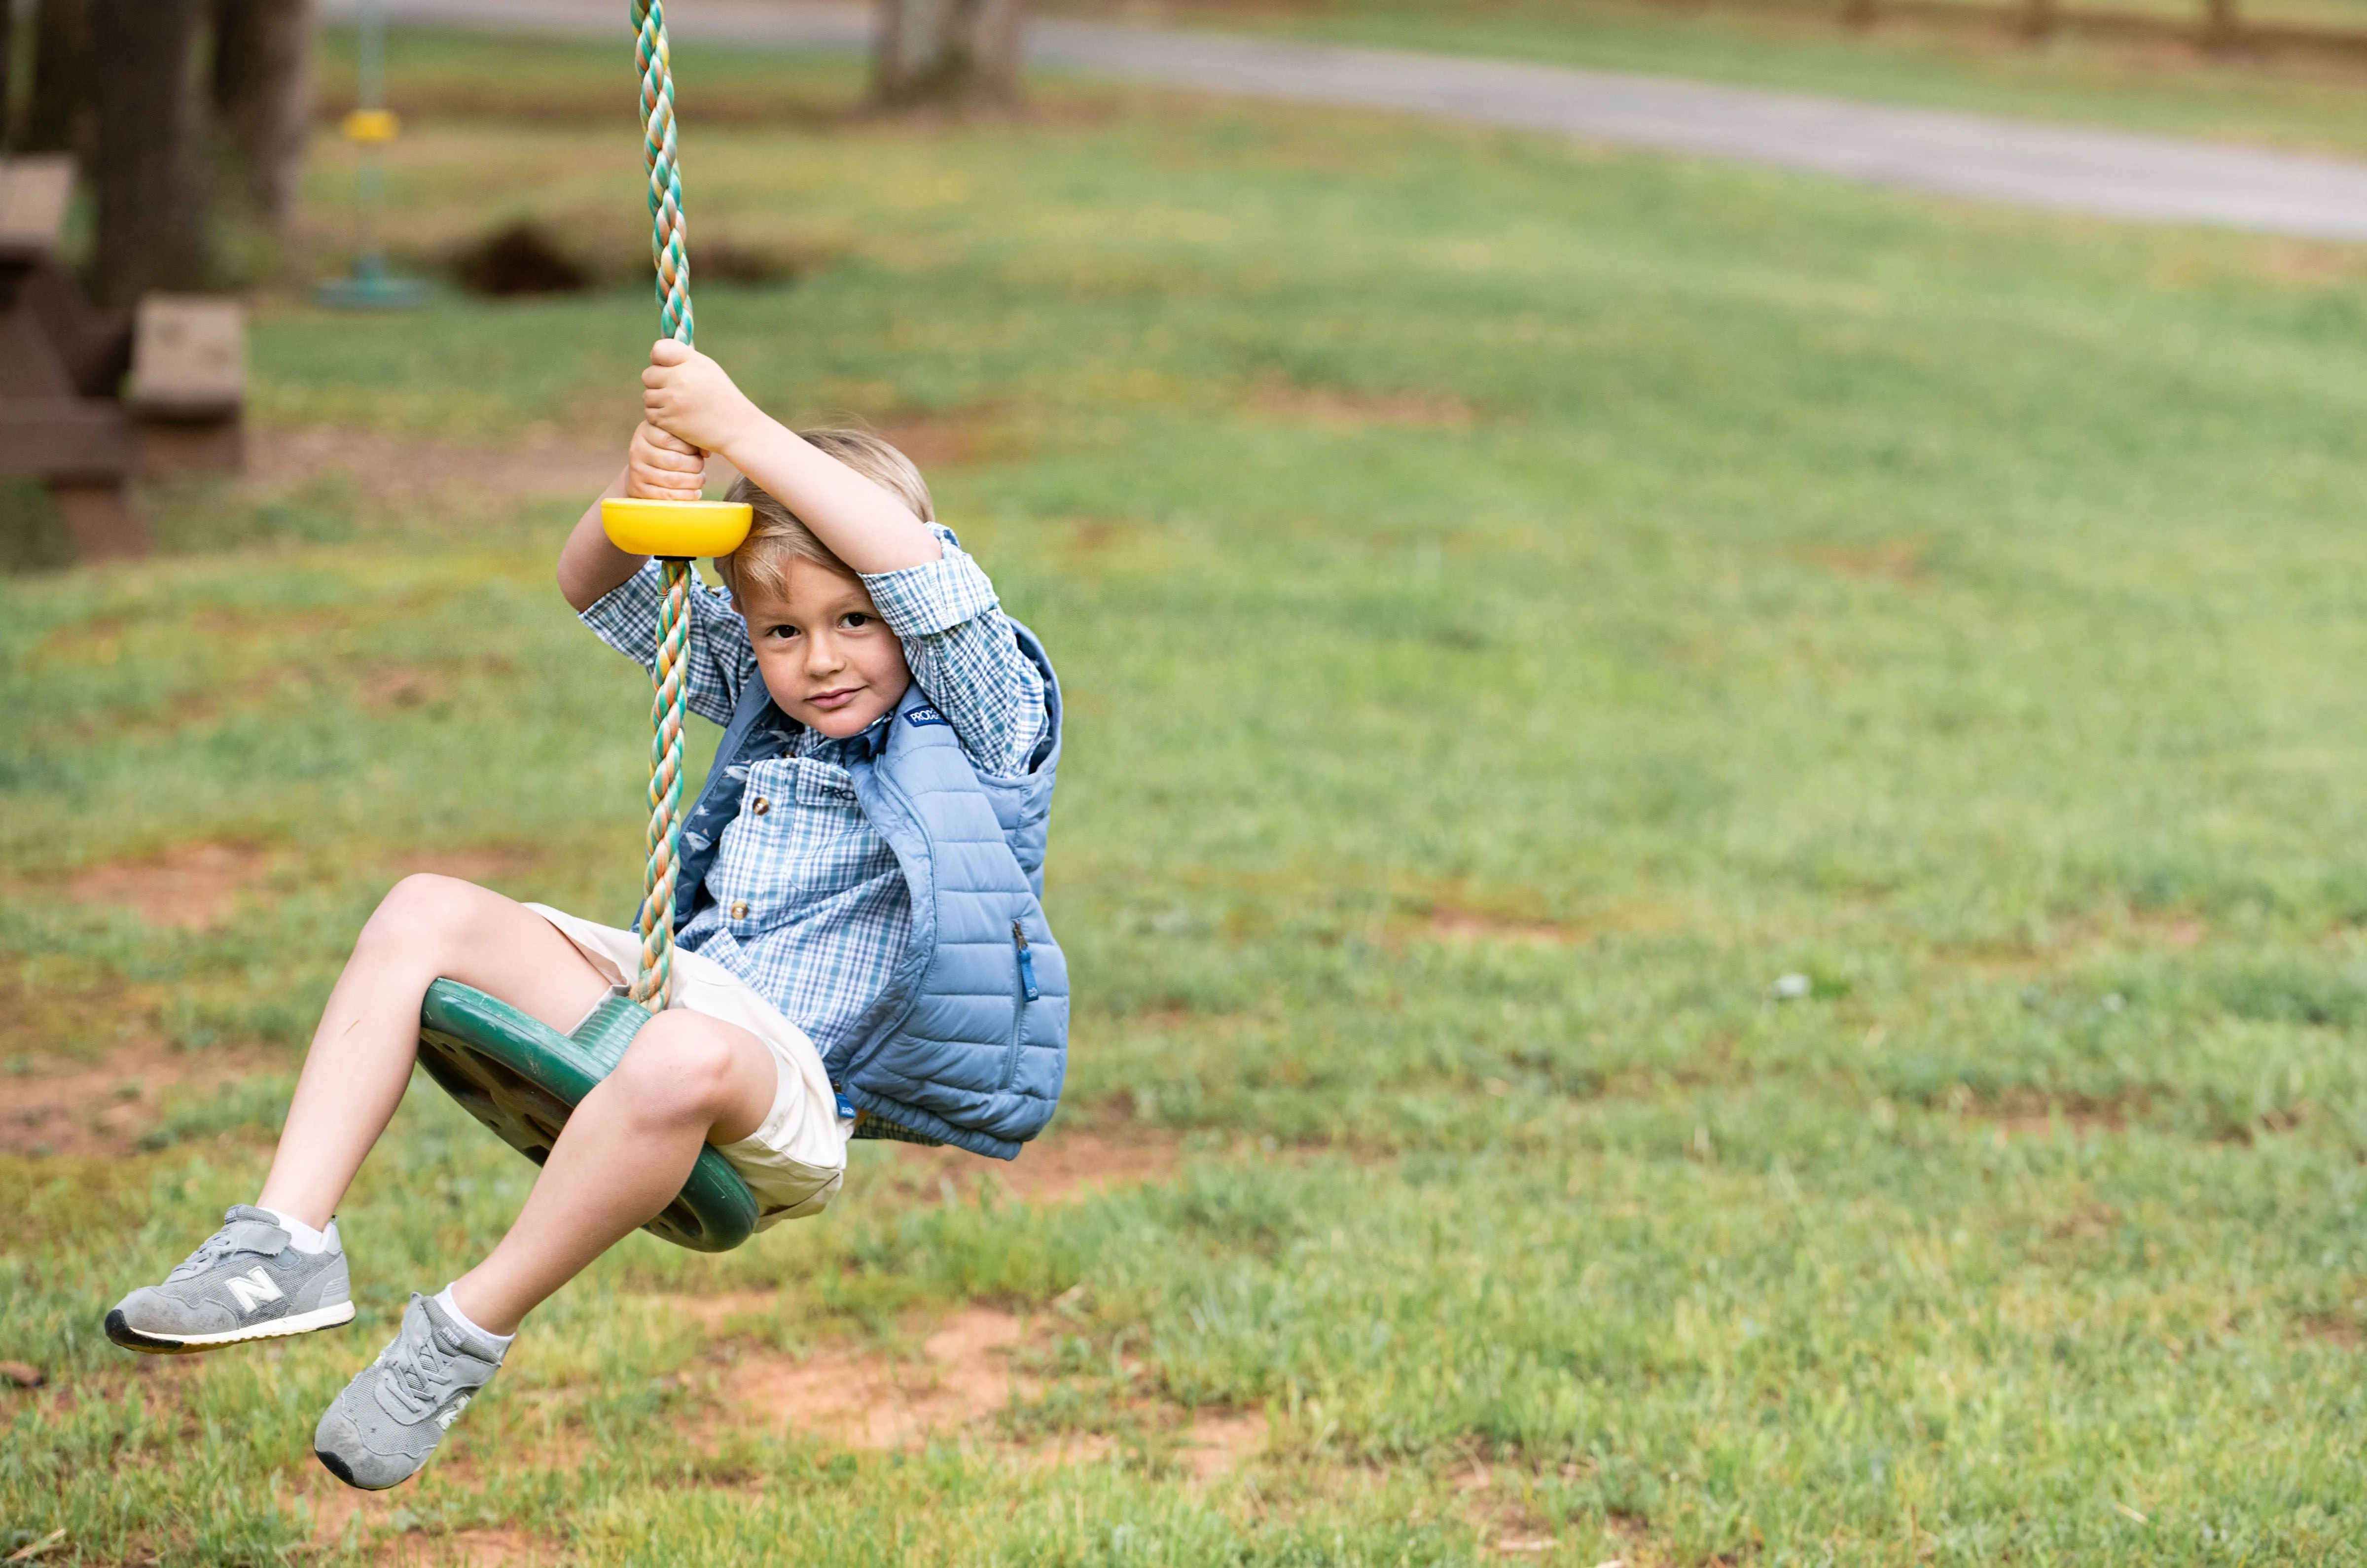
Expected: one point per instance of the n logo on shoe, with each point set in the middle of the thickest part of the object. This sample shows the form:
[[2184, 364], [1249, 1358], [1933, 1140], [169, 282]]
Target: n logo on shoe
[[253, 1289], [446, 1418]]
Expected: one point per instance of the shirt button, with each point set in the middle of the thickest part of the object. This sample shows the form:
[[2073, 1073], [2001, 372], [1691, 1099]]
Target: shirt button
[[760, 806], [740, 910]]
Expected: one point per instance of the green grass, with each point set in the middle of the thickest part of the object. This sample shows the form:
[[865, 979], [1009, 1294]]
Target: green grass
[[1516, 603]]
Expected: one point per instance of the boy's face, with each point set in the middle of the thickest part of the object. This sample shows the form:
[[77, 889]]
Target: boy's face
[[824, 654]]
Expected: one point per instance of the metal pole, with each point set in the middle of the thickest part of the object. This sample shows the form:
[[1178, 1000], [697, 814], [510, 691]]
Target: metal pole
[[369, 128]]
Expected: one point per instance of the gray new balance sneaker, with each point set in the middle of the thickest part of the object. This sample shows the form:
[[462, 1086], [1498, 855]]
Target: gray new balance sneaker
[[244, 1283], [381, 1431]]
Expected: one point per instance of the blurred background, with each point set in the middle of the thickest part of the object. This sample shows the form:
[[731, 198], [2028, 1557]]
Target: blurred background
[[1709, 838]]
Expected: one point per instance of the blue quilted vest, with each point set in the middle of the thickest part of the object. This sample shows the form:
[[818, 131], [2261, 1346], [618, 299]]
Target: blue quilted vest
[[970, 1041]]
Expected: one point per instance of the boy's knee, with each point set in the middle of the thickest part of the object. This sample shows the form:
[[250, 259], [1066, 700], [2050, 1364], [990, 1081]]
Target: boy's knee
[[678, 1064], [421, 908]]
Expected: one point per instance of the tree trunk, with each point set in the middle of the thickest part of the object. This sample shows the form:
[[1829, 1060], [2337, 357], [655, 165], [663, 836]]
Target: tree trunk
[[8, 68], [56, 121], [262, 97], [948, 51], [148, 174]]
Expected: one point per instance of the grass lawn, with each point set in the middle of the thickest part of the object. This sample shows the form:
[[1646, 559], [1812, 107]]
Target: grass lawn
[[1517, 602]]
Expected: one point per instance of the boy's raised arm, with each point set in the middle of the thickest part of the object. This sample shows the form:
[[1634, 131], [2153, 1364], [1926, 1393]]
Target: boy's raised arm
[[688, 395]]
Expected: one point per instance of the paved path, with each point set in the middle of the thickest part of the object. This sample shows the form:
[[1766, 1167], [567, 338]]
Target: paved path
[[2143, 179]]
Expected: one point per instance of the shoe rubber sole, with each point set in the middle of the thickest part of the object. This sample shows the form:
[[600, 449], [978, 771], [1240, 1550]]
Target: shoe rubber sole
[[132, 1338], [338, 1468]]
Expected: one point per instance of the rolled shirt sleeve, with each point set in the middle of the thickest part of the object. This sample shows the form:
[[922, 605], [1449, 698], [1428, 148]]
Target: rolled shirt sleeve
[[964, 655], [720, 662]]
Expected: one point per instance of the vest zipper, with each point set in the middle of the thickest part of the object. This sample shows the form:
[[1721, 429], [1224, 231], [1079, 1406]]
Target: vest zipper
[[1027, 962], [1022, 993]]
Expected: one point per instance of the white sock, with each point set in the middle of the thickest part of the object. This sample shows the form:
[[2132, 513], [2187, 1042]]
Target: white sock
[[302, 1237], [500, 1342]]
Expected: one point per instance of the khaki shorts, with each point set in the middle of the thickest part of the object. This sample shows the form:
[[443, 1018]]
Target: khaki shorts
[[793, 1163]]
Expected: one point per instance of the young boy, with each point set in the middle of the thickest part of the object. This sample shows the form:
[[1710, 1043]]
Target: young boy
[[849, 850]]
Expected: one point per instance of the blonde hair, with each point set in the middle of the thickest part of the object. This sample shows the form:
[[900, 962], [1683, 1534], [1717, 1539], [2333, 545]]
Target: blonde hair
[[777, 535]]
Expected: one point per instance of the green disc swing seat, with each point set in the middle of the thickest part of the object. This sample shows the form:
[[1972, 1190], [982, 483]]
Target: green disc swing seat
[[515, 1073], [521, 1077]]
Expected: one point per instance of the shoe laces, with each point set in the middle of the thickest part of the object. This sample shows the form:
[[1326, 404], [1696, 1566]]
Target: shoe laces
[[213, 1249], [419, 1367]]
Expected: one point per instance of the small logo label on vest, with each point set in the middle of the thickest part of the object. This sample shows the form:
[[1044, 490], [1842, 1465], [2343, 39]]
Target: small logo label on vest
[[922, 713]]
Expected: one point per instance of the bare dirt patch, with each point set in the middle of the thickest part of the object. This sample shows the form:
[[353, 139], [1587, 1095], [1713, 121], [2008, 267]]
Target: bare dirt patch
[[409, 472], [492, 1547], [2298, 261], [386, 686], [183, 887], [198, 887], [1452, 923], [2066, 943], [1218, 1444], [1493, 1503], [2041, 1125], [337, 1508], [869, 1400], [1062, 1168], [1090, 536], [61, 1107], [2022, 1114], [2326, 1329], [1340, 408], [2088, 1221], [1890, 562], [951, 439], [162, 1379], [963, 1377]]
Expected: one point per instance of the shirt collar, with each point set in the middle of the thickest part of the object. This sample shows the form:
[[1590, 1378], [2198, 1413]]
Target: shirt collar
[[865, 745], [874, 738]]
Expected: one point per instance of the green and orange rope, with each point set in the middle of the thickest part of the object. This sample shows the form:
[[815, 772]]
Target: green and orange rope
[[653, 986]]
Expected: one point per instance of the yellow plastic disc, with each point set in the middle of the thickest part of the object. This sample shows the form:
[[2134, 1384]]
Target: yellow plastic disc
[[677, 528], [371, 125]]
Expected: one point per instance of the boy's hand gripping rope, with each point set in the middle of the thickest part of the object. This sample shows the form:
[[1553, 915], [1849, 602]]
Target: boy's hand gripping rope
[[653, 986]]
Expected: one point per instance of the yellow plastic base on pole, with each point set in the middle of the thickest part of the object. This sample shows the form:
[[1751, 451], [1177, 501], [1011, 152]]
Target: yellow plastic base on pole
[[675, 530]]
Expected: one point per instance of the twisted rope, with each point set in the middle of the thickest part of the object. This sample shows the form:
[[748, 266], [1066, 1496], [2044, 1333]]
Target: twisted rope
[[666, 245], [653, 986]]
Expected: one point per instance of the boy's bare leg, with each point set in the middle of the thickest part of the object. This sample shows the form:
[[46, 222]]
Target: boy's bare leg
[[621, 1157], [687, 1080], [362, 1054], [625, 1153]]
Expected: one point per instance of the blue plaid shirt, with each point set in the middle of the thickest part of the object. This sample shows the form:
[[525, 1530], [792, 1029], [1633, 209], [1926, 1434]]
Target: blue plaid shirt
[[805, 900]]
